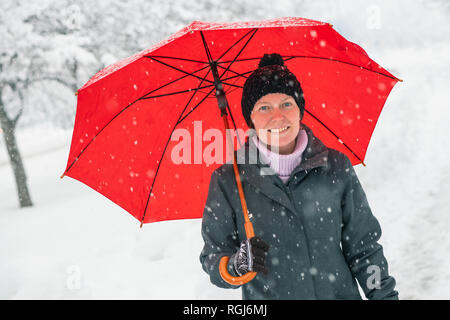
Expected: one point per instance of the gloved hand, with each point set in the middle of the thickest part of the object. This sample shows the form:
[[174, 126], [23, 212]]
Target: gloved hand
[[251, 256]]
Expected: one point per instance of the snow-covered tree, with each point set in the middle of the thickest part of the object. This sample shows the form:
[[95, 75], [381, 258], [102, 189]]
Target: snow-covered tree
[[37, 49]]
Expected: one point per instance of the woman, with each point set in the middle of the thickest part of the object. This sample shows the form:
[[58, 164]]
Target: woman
[[316, 234]]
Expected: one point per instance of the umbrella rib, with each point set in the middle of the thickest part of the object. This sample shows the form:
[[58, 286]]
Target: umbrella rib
[[187, 90], [236, 73], [178, 69], [239, 60], [232, 85], [322, 58], [234, 77], [98, 133], [194, 93], [203, 99], [173, 93], [234, 44], [239, 53], [349, 63], [331, 131], [230, 90], [173, 81], [177, 58], [170, 136], [205, 45], [187, 73]]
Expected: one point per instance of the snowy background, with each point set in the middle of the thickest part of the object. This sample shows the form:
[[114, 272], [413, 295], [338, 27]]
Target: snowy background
[[74, 243]]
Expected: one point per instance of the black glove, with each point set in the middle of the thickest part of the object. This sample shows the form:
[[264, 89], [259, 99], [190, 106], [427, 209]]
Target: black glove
[[251, 256]]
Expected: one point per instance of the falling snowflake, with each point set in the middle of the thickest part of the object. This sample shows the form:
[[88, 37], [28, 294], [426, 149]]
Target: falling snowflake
[[313, 271], [331, 277], [275, 261]]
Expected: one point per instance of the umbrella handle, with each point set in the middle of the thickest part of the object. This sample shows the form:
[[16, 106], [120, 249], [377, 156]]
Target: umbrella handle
[[237, 281], [226, 276]]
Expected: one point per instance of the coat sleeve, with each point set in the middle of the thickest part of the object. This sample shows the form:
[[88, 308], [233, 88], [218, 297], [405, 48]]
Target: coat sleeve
[[218, 232], [360, 234]]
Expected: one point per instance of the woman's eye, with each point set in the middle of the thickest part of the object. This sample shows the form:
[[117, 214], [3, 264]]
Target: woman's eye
[[287, 104], [264, 108]]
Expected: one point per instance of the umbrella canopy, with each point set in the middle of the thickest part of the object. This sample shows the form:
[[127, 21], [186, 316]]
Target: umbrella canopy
[[134, 116]]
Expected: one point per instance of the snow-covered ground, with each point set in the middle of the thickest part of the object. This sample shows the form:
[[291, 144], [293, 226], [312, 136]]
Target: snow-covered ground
[[74, 243]]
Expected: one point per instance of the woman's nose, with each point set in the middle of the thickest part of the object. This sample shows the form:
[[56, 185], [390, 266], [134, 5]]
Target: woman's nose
[[277, 113]]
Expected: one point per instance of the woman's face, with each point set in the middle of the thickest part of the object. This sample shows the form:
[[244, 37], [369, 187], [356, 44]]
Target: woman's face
[[276, 118]]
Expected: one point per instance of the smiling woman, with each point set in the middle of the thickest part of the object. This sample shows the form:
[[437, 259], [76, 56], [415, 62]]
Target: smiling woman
[[314, 232]]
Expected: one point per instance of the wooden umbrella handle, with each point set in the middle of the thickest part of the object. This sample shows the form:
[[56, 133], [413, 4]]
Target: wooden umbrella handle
[[237, 281], [226, 276], [223, 266]]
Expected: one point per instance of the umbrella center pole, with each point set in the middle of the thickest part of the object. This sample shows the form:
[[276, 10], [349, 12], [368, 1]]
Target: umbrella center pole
[[220, 93], [223, 105]]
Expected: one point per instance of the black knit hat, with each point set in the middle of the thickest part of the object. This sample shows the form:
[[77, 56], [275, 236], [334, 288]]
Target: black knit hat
[[271, 76]]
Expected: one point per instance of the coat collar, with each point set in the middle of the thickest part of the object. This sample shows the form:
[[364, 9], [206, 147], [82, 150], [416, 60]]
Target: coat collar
[[258, 173]]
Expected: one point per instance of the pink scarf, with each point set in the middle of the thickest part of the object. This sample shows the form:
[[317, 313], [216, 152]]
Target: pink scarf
[[284, 164]]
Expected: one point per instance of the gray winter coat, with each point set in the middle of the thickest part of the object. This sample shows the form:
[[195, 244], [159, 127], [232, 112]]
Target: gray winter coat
[[319, 226]]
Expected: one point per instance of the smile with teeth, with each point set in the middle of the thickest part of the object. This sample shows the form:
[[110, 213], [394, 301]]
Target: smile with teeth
[[279, 129]]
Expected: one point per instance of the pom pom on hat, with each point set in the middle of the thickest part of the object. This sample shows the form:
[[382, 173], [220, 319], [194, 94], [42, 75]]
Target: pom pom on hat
[[271, 59]]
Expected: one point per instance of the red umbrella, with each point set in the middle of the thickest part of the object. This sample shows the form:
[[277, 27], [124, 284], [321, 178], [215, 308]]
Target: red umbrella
[[129, 114]]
